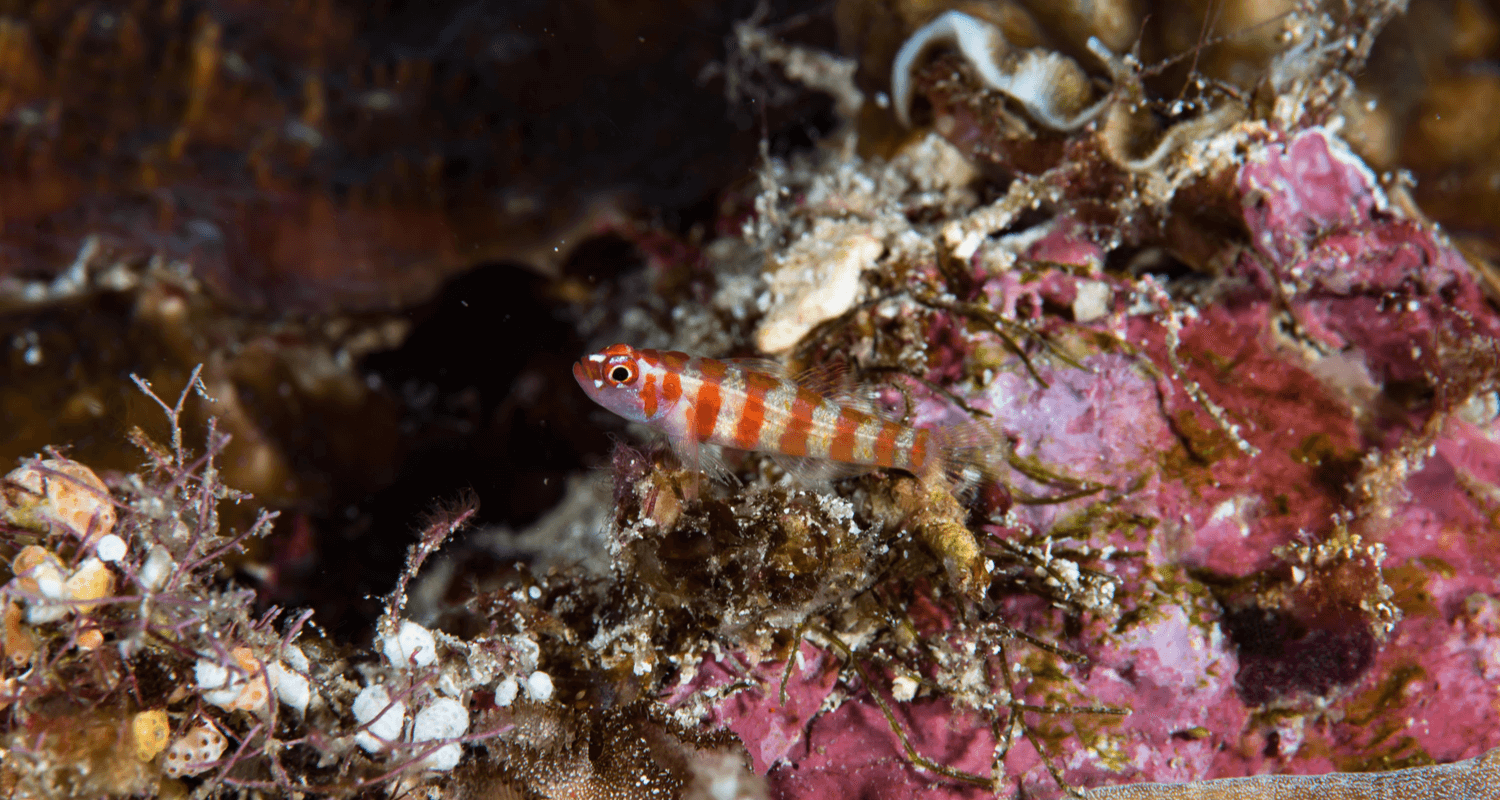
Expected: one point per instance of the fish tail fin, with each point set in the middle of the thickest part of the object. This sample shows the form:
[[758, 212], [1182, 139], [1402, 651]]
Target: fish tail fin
[[972, 453]]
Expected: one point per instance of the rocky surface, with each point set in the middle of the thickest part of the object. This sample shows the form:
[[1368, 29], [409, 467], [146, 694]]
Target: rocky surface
[[1234, 516]]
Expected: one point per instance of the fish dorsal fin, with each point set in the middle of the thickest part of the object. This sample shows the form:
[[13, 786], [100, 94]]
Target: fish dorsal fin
[[828, 379], [764, 366], [831, 379]]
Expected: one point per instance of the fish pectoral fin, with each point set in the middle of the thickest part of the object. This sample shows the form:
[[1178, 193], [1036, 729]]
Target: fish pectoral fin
[[698, 458], [711, 463]]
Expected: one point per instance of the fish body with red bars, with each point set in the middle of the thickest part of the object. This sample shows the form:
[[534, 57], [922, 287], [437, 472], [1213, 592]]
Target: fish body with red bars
[[810, 426], [750, 404]]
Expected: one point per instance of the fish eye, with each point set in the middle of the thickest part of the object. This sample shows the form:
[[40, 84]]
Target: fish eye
[[621, 373]]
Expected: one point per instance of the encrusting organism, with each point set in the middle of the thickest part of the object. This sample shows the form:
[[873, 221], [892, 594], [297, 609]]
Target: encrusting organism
[[750, 404], [1049, 85]]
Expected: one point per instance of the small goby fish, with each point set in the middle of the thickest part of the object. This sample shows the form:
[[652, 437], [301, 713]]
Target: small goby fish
[[747, 405]]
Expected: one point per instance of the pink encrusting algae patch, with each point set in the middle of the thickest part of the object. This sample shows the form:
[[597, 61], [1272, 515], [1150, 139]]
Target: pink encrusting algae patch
[[1243, 433], [774, 732], [853, 751]]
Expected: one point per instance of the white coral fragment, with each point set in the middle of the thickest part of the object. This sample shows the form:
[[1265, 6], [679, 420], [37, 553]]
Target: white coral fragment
[[383, 719], [904, 688], [291, 687], [443, 718], [1050, 86], [1092, 301], [411, 645], [815, 280]]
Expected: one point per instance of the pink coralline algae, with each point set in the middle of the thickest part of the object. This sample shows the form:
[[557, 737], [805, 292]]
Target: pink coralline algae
[[1292, 478]]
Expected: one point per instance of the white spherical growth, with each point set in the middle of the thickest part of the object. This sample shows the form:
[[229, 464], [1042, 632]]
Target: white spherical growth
[[410, 645], [539, 687], [505, 692], [444, 758], [373, 707], [52, 585], [443, 718], [210, 674], [110, 548], [158, 567]]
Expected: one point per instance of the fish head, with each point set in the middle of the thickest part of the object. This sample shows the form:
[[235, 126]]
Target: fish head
[[612, 378]]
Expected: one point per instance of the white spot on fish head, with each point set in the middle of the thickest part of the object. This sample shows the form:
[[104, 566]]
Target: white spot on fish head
[[598, 384]]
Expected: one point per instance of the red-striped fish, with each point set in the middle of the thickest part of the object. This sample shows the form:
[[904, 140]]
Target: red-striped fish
[[747, 405]]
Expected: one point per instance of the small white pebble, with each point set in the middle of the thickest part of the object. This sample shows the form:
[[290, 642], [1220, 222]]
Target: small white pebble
[[1092, 301], [410, 645], [383, 729], [50, 581], [505, 692], [539, 687], [110, 548]]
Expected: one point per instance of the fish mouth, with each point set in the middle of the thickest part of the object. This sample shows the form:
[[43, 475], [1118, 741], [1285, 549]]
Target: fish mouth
[[581, 373]]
